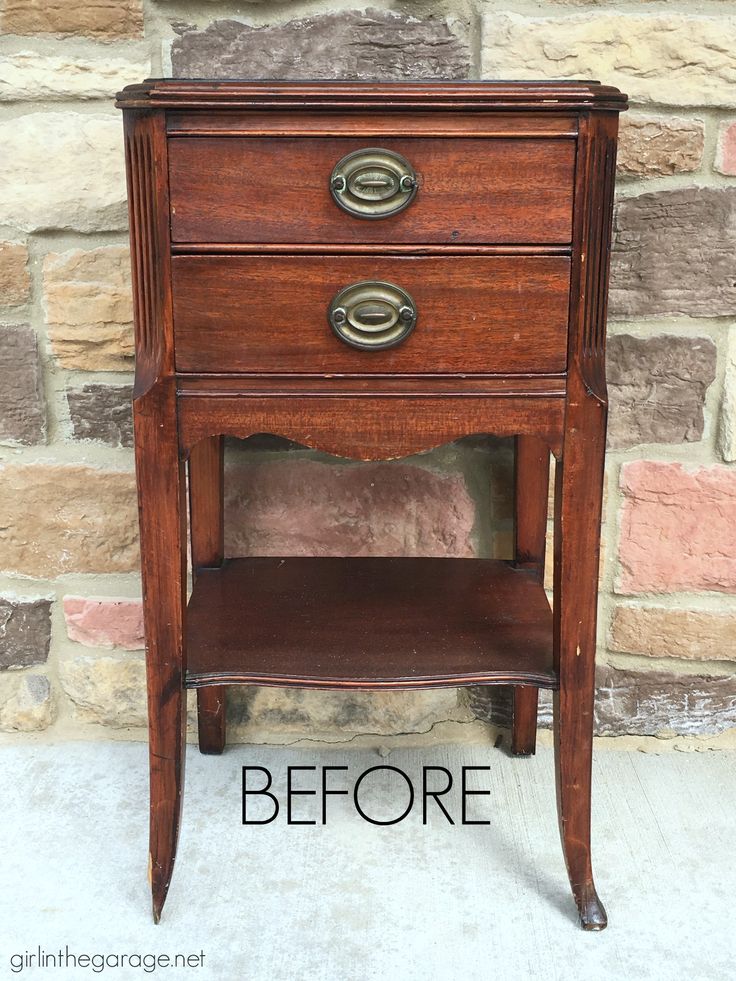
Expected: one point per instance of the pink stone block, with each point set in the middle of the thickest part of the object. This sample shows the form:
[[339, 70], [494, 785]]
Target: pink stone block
[[104, 622], [726, 153], [303, 507], [678, 528]]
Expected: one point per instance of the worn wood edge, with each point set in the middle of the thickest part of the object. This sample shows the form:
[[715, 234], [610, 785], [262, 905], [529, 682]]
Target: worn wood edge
[[533, 679], [389, 96]]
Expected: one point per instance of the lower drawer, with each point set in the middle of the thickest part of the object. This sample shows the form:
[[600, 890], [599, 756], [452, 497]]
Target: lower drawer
[[469, 314]]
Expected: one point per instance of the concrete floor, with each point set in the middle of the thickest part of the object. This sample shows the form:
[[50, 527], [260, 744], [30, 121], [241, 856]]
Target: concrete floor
[[354, 901]]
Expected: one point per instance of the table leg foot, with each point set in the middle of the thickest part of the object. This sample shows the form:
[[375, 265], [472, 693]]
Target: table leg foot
[[590, 908]]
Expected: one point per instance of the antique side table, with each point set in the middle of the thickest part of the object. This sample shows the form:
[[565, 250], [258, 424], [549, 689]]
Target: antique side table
[[372, 270]]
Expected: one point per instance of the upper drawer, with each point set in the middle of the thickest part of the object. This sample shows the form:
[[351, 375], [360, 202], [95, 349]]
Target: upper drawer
[[277, 190]]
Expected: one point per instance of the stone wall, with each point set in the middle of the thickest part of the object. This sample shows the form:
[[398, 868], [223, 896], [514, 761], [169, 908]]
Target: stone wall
[[71, 657]]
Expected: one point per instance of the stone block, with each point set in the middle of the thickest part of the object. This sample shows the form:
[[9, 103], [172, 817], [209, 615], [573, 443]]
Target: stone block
[[673, 254], [658, 56], [26, 76], [345, 44], [678, 528], [303, 507], [25, 631], [106, 20], [656, 146], [15, 280], [655, 631], [657, 387], [104, 622], [109, 690], [26, 703], [657, 703], [63, 170], [89, 308], [336, 715], [725, 162], [22, 405], [59, 518], [103, 413]]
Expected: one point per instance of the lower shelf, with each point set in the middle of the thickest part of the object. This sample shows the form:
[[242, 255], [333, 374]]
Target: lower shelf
[[368, 623]]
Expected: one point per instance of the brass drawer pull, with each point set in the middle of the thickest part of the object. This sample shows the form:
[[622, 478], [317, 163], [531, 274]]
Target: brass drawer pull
[[373, 183], [372, 315]]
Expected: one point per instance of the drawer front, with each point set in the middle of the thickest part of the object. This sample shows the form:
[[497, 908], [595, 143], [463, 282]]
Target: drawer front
[[489, 314], [256, 190]]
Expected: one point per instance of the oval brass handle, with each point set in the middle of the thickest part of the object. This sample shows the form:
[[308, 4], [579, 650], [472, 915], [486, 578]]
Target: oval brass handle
[[372, 315], [373, 183]]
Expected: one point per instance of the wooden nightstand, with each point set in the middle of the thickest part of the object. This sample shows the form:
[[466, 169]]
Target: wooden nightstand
[[373, 270]]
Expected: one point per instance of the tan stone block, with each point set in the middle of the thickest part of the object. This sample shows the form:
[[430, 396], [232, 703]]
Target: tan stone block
[[15, 281], [26, 703], [109, 690], [662, 632], [727, 423], [659, 145], [335, 715], [104, 19], [667, 58], [29, 75], [89, 308], [63, 170], [57, 518]]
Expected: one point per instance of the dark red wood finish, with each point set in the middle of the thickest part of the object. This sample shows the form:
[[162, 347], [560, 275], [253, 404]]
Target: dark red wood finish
[[490, 314], [207, 531], [237, 189], [528, 268], [368, 623], [530, 531]]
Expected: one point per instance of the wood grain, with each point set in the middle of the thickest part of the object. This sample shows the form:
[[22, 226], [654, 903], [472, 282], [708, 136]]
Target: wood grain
[[525, 126], [370, 428], [368, 623], [240, 189], [269, 314], [531, 482], [207, 533]]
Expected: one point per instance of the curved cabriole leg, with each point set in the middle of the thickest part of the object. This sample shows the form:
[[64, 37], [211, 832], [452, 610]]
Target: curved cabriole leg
[[578, 496], [207, 530], [531, 491], [163, 567]]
